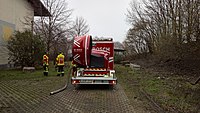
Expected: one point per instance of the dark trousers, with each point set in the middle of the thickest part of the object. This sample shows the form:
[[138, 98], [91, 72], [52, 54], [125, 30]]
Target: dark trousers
[[46, 70], [60, 70]]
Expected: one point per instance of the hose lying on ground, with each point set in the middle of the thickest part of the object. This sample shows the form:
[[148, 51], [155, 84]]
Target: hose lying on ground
[[196, 81], [66, 85]]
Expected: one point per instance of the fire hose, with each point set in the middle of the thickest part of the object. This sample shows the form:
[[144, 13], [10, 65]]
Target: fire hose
[[66, 85]]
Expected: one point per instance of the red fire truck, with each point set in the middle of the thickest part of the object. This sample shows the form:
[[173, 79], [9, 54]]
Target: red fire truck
[[93, 60]]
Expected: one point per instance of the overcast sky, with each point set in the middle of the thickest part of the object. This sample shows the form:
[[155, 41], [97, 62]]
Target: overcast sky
[[106, 18]]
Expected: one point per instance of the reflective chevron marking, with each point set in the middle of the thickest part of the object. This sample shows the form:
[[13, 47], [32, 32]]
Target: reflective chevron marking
[[76, 43], [76, 58], [111, 59]]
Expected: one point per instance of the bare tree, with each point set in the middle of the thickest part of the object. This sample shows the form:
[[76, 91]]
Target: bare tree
[[55, 27], [164, 25], [80, 27]]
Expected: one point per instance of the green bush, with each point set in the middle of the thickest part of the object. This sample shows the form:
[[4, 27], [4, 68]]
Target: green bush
[[118, 58], [25, 49]]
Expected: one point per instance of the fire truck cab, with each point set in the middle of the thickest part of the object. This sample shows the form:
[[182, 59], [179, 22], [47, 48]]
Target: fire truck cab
[[93, 61]]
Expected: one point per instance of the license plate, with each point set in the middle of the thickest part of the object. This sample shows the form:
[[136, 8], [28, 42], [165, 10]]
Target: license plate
[[86, 81]]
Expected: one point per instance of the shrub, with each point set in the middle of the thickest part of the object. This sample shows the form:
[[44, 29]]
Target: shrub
[[25, 49]]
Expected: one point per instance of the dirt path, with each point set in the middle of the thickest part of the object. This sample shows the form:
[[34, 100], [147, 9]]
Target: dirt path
[[33, 96]]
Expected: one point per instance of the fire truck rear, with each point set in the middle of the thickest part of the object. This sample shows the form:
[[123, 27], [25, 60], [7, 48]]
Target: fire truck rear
[[93, 61]]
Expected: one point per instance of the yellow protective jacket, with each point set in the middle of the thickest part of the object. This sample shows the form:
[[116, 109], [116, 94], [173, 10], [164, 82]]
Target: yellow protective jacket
[[60, 60], [45, 60]]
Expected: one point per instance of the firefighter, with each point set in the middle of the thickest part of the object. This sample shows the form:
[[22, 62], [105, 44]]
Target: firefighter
[[74, 68], [60, 64], [45, 64]]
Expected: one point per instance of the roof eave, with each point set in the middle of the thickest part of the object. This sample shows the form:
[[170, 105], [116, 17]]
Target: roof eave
[[39, 8]]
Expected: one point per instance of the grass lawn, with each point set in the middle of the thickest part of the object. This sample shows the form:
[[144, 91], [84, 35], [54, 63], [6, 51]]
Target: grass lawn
[[171, 92], [18, 74]]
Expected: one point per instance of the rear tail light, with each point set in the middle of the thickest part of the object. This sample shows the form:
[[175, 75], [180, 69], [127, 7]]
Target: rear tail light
[[112, 82], [75, 81]]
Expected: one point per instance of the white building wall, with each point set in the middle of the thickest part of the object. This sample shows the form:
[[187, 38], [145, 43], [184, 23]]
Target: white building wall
[[12, 17], [14, 12]]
